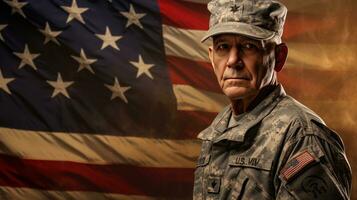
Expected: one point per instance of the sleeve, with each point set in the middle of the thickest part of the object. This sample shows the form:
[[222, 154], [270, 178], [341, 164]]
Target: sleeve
[[314, 166]]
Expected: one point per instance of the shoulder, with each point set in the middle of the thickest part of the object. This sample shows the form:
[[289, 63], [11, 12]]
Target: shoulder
[[302, 121], [292, 109], [311, 149], [307, 131]]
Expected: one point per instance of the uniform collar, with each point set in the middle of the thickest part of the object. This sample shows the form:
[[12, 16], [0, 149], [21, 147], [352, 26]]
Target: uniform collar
[[251, 118]]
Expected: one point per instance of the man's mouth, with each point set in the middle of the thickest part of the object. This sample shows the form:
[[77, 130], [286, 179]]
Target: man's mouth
[[238, 77]]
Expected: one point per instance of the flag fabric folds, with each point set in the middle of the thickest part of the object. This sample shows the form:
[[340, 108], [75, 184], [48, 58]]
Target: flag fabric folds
[[89, 107], [104, 99]]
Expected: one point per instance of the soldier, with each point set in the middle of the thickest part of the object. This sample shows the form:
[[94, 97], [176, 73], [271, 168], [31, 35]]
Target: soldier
[[265, 144]]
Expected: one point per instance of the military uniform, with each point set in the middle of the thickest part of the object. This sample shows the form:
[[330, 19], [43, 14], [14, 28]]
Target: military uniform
[[278, 150]]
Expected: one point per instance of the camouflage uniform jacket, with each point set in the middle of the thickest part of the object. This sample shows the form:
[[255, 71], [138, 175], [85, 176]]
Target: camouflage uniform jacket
[[278, 150]]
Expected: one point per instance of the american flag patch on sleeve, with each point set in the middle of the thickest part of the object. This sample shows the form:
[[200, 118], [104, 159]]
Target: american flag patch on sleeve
[[296, 164]]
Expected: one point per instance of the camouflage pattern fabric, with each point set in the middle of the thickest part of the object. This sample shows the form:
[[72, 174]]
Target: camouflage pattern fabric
[[279, 150], [259, 19]]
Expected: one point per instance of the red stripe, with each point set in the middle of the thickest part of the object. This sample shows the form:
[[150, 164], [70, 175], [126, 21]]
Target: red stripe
[[195, 73], [115, 178], [301, 82], [190, 15], [301, 161], [183, 14], [191, 123]]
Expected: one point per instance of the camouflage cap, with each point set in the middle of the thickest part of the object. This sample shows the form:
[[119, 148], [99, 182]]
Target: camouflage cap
[[257, 19]]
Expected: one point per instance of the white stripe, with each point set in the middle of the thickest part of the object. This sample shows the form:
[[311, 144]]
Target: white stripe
[[12, 193], [99, 149], [193, 99], [185, 43]]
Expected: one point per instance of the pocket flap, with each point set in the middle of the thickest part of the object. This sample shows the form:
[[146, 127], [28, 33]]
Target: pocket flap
[[203, 160]]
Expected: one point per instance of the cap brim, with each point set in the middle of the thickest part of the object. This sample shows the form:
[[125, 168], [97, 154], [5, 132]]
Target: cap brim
[[247, 30]]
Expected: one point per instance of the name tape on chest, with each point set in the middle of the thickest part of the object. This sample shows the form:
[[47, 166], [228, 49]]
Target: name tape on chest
[[296, 165], [247, 161], [252, 162]]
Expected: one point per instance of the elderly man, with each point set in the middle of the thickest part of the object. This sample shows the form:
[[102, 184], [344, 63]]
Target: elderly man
[[265, 144]]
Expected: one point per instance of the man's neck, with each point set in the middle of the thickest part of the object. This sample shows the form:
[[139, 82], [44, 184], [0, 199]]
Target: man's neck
[[240, 106]]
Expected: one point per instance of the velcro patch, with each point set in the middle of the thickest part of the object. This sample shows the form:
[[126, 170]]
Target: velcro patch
[[296, 164], [316, 182]]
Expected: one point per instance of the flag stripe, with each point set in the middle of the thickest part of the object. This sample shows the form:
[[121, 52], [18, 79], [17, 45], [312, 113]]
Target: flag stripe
[[195, 73], [193, 122], [193, 99], [121, 179], [21, 193], [185, 43], [83, 148], [184, 14], [297, 164]]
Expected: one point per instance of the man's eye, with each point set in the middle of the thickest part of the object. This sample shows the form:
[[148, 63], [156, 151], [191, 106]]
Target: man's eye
[[249, 46], [222, 47]]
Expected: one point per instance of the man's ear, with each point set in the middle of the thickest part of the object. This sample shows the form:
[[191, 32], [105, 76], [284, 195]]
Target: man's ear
[[210, 55], [281, 53]]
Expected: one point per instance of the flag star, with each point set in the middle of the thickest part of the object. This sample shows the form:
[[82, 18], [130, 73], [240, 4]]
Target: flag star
[[143, 68], [16, 6], [118, 91], [27, 58], [133, 17], [109, 39], [2, 26], [60, 86], [4, 82], [74, 12], [49, 34], [84, 62]]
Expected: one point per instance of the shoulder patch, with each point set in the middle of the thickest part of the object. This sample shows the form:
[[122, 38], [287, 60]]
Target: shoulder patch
[[297, 164], [316, 182]]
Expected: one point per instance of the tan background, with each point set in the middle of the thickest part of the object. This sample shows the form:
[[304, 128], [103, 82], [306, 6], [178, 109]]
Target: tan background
[[321, 69]]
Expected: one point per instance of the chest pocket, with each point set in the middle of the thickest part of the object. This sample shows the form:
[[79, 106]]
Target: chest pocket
[[204, 157], [253, 179]]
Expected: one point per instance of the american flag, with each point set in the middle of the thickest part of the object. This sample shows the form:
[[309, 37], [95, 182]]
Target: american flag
[[296, 164], [97, 100], [104, 99]]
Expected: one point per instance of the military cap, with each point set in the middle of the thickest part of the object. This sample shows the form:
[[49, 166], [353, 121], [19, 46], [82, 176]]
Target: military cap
[[257, 19]]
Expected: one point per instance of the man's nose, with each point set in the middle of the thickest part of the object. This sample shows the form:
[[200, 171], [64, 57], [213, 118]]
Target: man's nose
[[234, 58]]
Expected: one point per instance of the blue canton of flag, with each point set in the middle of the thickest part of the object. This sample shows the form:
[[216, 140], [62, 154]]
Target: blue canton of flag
[[89, 106], [72, 66]]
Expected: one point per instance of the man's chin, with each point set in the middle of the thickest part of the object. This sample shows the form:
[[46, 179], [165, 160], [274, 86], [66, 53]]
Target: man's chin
[[237, 93]]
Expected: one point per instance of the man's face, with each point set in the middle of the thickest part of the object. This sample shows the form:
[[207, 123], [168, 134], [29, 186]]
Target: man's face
[[242, 66]]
